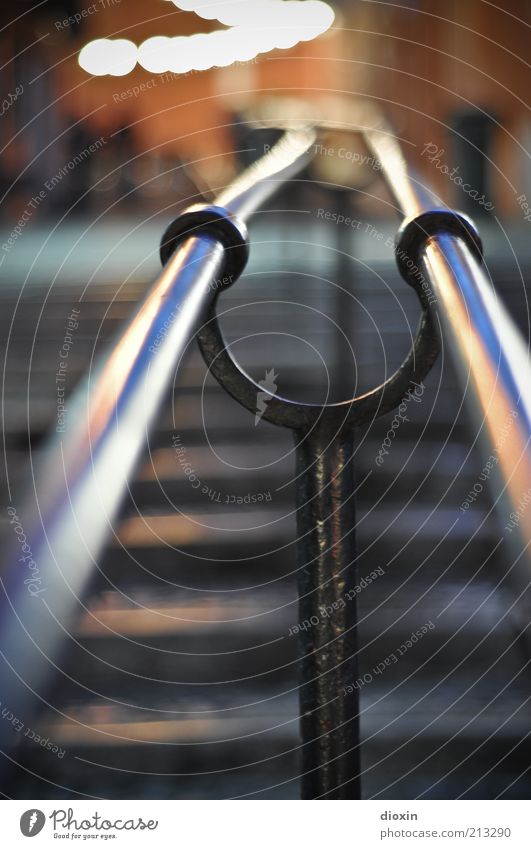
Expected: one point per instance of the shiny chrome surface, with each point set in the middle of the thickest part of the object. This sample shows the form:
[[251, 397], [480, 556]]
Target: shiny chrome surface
[[491, 358], [259, 181], [493, 364], [70, 512], [65, 520]]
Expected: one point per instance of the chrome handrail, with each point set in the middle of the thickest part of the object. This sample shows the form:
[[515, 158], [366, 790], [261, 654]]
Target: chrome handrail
[[490, 356], [440, 250], [64, 523], [78, 490]]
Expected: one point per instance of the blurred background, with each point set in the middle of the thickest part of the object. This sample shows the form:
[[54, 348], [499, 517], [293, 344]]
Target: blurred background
[[180, 680]]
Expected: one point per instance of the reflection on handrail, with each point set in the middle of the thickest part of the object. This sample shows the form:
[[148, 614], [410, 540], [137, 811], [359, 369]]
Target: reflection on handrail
[[70, 511], [491, 358]]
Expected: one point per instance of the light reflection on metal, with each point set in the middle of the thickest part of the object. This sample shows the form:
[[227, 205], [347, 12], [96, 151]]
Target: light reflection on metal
[[491, 358], [492, 362], [77, 490], [240, 198]]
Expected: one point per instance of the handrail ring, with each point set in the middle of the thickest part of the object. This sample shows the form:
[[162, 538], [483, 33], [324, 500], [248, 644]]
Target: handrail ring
[[335, 416], [415, 231], [217, 221]]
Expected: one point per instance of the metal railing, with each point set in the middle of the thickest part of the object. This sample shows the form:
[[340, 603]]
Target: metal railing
[[442, 250], [439, 251], [68, 516], [77, 492]]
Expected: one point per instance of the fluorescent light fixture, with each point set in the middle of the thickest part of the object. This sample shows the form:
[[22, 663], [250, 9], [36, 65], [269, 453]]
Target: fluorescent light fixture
[[255, 26]]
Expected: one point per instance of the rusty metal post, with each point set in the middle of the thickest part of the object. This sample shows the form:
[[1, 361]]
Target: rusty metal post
[[330, 747], [329, 701]]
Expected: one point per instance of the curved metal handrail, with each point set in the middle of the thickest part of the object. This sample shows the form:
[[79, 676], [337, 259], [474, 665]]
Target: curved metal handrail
[[69, 514], [77, 492], [490, 356], [440, 250]]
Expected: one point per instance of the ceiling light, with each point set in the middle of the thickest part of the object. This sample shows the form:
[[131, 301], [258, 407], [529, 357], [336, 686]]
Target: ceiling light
[[256, 26]]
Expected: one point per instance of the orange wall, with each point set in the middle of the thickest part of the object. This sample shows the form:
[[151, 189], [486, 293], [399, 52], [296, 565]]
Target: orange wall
[[187, 114]]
